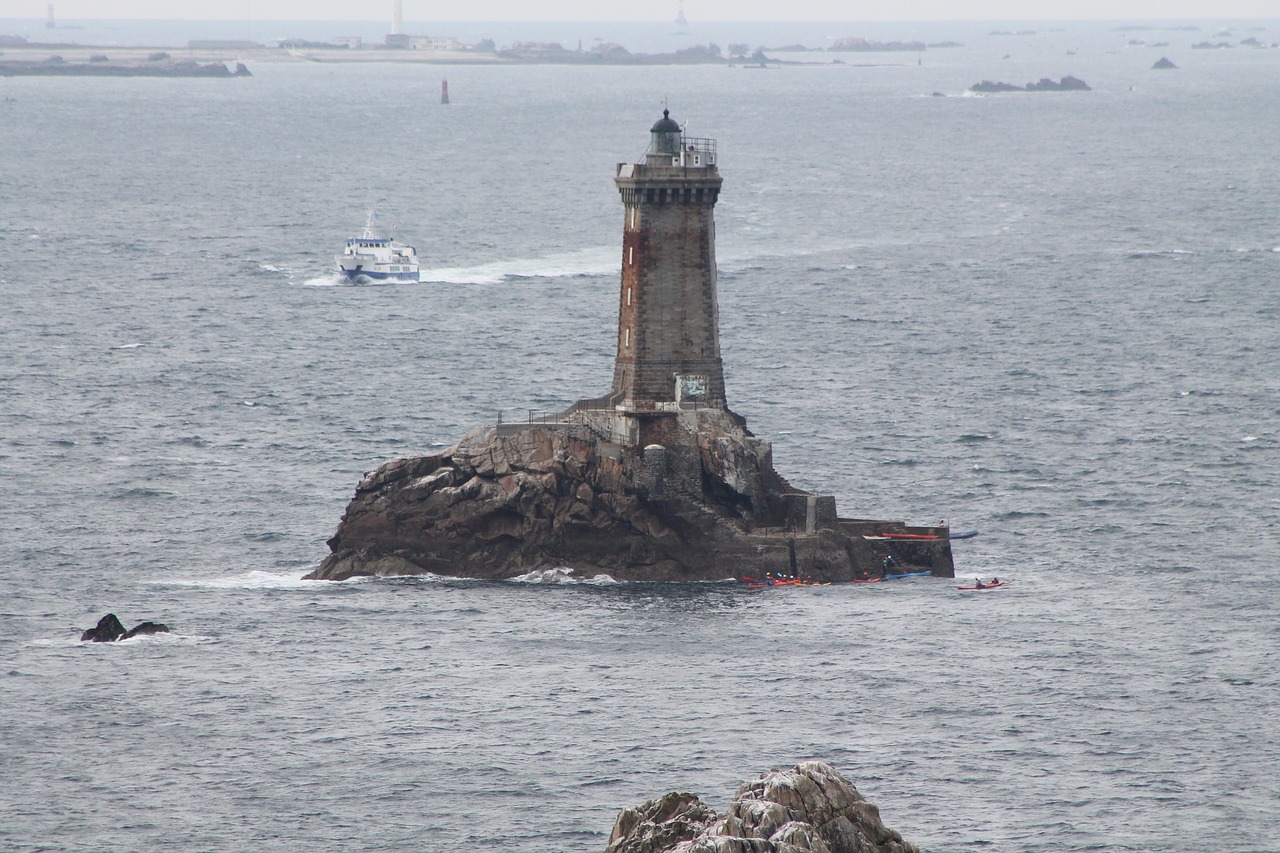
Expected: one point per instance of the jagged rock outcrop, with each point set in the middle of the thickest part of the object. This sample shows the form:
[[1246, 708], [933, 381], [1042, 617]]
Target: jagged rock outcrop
[[1045, 84], [810, 808], [498, 505], [109, 630], [704, 505], [1066, 84], [1163, 64]]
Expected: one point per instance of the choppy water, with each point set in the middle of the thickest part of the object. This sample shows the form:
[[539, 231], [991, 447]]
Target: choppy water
[[1050, 317]]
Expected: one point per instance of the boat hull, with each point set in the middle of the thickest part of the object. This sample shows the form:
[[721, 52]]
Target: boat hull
[[366, 276]]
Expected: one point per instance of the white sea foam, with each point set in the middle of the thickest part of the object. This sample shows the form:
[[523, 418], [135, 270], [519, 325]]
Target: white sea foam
[[253, 580], [562, 574]]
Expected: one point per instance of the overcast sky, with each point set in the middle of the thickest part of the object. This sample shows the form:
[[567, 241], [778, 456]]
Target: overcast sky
[[638, 10]]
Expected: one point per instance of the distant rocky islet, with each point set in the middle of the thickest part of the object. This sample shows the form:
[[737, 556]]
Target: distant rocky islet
[[1045, 84]]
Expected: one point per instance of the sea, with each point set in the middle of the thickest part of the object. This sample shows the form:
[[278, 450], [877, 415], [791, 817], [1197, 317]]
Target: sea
[[1050, 317]]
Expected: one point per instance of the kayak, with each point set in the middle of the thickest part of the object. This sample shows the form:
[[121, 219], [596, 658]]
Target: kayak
[[986, 586], [912, 537], [868, 580], [892, 577], [964, 534]]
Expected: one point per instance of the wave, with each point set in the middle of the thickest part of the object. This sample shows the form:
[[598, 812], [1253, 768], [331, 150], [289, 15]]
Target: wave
[[1141, 254]]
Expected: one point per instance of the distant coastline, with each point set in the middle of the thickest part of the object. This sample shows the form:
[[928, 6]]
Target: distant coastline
[[99, 65], [19, 57]]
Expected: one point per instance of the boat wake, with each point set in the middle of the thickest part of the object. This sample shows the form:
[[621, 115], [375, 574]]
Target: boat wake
[[591, 262]]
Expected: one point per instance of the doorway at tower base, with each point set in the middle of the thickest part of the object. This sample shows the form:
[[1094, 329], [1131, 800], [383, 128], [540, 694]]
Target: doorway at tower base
[[704, 504]]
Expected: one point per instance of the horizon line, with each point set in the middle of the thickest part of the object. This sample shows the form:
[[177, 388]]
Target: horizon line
[[1275, 18]]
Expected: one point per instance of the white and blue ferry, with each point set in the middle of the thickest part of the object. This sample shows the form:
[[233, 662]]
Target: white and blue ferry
[[370, 258]]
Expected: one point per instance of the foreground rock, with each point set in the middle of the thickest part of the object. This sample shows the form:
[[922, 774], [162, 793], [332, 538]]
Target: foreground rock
[[109, 630], [706, 505], [810, 808]]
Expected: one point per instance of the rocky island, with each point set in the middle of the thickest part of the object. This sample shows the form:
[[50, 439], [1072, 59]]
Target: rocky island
[[657, 480]]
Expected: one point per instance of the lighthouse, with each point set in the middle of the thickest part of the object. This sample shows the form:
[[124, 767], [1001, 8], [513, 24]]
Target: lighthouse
[[658, 480], [668, 321]]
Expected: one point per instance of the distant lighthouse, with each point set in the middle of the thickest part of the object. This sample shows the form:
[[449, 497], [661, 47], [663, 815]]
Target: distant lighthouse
[[668, 321], [397, 18]]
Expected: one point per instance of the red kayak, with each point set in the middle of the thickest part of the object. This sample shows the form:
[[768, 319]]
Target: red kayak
[[868, 580], [986, 586]]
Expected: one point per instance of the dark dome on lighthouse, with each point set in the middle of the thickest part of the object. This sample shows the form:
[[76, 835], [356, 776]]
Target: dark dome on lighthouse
[[665, 135], [666, 124]]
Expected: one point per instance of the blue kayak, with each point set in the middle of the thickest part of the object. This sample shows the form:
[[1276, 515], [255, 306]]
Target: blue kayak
[[964, 534], [908, 575]]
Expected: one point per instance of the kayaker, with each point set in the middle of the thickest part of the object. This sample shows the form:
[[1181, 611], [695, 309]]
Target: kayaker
[[889, 563], [978, 584], [995, 581]]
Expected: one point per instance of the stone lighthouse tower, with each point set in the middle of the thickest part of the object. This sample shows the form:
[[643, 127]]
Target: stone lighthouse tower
[[668, 322]]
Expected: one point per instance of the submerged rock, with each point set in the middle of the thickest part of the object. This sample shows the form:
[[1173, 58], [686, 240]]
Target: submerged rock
[[109, 630], [810, 808]]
